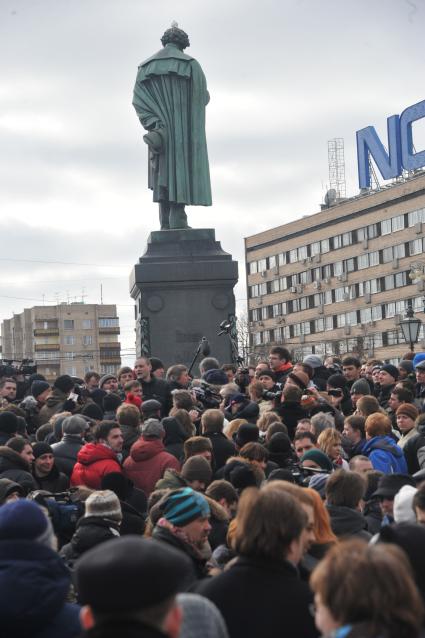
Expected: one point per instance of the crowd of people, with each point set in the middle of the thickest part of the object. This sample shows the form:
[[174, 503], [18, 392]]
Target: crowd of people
[[281, 499]]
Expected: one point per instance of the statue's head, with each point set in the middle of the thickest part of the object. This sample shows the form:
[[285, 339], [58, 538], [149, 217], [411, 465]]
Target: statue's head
[[176, 36]]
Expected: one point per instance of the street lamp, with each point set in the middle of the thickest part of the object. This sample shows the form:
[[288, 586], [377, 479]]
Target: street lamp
[[410, 327]]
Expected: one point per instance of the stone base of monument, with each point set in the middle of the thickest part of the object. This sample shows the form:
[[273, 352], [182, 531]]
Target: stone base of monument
[[183, 288]]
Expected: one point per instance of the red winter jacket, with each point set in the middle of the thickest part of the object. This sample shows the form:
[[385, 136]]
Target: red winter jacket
[[94, 460], [147, 463]]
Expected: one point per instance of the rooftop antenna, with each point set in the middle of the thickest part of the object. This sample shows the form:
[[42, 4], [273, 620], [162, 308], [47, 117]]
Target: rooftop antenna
[[57, 298], [101, 294], [336, 162], [83, 294]]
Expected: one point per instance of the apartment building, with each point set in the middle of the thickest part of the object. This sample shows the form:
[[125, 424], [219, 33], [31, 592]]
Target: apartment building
[[65, 339], [339, 281]]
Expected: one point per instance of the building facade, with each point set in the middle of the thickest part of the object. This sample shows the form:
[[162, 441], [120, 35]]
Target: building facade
[[65, 339], [339, 281]]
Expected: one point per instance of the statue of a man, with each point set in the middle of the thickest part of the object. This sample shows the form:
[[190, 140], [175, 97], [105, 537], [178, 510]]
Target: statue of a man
[[170, 96]]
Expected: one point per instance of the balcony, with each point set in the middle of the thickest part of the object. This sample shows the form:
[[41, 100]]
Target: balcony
[[45, 332], [46, 346], [110, 345], [110, 331]]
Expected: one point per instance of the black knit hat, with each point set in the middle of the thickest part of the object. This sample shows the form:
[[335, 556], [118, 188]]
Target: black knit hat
[[41, 448], [337, 381], [8, 422], [93, 411], [64, 383], [38, 387], [240, 475], [108, 576], [246, 433], [156, 364], [111, 402]]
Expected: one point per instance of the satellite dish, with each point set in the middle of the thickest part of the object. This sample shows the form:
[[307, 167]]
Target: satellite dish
[[330, 197]]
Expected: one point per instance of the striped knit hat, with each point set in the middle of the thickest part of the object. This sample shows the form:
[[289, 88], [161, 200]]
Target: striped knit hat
[[104, 504], [183, 506]]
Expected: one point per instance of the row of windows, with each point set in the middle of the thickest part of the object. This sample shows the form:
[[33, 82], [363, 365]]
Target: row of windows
[[331, 322], [70, 340], [327, 297], [339, 268], [385, 227], [87, 324]]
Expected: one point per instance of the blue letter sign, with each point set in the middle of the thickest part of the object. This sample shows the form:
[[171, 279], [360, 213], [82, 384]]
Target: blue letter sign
[[400, 146]]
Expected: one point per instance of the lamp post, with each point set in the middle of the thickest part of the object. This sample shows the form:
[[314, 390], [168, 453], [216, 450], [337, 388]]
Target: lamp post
[[410, 327]]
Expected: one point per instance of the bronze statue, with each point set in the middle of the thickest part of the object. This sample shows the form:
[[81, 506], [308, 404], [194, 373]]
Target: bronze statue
[[170, 96]]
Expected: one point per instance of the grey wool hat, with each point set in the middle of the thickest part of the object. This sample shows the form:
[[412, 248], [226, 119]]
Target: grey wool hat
[[104, 504]]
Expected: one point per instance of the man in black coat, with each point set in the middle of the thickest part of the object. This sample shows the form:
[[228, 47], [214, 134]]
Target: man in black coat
[[212, 428], [66, 451], [46, 474], [152, 387]]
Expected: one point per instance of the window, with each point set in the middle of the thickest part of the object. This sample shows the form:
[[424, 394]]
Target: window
[[339, 294], [276, 310], [327, 271], [253, 292], [377, 340], [87, 340], [256, 339], [347, 238], [304, 303], [283, 283], [324, 246], [415, 247], [286, 332], [350, 265], [374, 258], [340, 320], [387, 254], [315, 248], [68, 324], [416, 216], [262, 289], [253, 268], [375, 286], [293, 256], [327, 297], [365, 315], [329, 323], [363, 261], [69, 340], [400, 279], [47, 354], [110, 322], [88, 323], [372, 231], [338, 268], [304, 277], [305, 328], [282, 259], [295, 305], [72, 371], [319, 325], [302, 253], [399, 251], [389, 282], [69, 355], [256, 314], [316, 274], [111, 369], [390, 310], [272, 261], [337, 241], [361, 234], [262, 265], [386, 227], [397, 223], [266, 336], [275, 285], [376, 313], [264, 312], [400, 307], [351, 318]]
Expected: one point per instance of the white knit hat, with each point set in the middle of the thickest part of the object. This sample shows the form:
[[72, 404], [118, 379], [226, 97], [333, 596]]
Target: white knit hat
[[104, 504], [403, 505]]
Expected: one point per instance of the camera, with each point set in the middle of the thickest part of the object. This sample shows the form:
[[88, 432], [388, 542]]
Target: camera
[[205, 395], [302, 474], [26, 367], [271, 396]]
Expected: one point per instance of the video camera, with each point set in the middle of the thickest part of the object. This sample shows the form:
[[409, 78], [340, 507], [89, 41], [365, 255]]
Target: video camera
[[302, 474], [12, 368], [206, 395]]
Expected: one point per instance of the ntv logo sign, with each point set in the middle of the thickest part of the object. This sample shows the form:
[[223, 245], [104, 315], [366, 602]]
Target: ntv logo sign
[[400, 146]]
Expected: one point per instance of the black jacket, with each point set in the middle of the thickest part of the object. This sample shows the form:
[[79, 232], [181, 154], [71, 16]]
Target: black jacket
[[223, 448], [264, 598], [157, 389], [15, 468], [132, 521], [124, 629], [174, 437], [291, 412], [346, 522], [91, 531], [65, 452], [411, 448], [55, 481], [384, 395], [130, 435], [165, 536]]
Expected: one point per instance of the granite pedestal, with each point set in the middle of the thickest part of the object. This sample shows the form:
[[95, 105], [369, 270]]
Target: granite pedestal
[[183, 288]]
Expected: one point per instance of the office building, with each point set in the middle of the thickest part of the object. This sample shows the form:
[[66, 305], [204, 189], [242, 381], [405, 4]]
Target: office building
[[339, 281], [65, 339]]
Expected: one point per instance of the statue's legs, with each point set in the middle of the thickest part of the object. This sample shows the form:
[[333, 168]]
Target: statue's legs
[[164, 215], [178, 217]]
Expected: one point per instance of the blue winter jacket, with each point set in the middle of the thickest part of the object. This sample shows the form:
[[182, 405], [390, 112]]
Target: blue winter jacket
[[34, 584], [385, 455]]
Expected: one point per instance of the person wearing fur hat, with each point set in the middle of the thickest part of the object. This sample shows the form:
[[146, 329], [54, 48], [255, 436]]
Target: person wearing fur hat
[[16, 467], [46, 475], [39, 393], [58, 401], [101, 522]]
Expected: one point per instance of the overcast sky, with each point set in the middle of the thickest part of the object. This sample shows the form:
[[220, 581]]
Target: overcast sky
[[284, 78]]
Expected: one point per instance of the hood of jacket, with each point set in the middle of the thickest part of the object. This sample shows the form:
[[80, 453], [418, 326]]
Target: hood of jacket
[[384, 443], [11, 460], [144, 449], [174, 432], [34, 583], [56, 397], [171, 480], [92, 452], [217, 511], [91, 531], [346, 521]]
